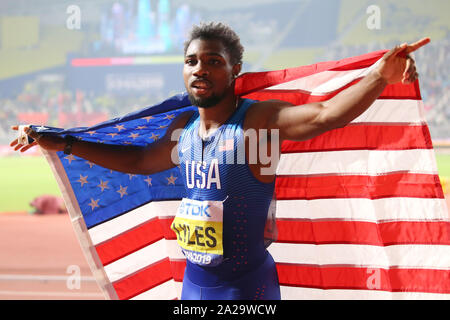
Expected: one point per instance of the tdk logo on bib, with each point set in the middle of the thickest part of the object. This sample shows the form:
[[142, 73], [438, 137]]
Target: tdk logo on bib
[[194, 209], [199, 229]]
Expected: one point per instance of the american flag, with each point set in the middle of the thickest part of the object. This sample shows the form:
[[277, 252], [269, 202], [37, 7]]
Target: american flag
[[360, 210]]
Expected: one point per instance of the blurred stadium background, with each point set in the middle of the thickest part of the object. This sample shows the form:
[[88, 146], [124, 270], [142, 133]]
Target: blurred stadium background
[[127, 54]]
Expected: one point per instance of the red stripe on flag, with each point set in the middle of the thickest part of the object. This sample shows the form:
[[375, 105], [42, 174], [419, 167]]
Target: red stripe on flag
[[299, 97], [177, 267], [358, 186], [362, 232], [143, 280], [365, 137], [165, 223], [250, 82], [347, 277], [129, 241]]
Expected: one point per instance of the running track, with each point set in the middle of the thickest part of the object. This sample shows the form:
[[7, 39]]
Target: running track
[[35, 254]]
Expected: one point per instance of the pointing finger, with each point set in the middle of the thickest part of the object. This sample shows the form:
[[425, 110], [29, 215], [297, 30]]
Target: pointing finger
[[416, 45]]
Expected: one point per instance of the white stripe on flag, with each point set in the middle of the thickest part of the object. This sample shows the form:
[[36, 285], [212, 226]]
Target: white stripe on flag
[[377, 210], [402, 256], [136, 261], [358, 162], [393, 111], [162, 292], [298, 293], [324, 82], [120, 224]]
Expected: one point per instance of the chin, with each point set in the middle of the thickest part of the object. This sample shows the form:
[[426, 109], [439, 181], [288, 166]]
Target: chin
[[205, 103]]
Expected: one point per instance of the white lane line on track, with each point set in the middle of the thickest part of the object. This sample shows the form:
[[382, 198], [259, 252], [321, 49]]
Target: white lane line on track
[[51, 294], [32, 277]]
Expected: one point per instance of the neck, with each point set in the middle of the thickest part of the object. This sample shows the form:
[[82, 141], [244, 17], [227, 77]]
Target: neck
[[212, 118]]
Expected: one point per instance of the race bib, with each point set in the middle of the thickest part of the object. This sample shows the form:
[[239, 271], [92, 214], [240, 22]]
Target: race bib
[[199, 229]]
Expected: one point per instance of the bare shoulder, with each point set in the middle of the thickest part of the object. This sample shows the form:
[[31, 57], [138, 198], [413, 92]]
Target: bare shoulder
[[260, 113]]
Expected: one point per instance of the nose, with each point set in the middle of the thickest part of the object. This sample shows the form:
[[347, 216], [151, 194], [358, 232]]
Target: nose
[[201, 70]]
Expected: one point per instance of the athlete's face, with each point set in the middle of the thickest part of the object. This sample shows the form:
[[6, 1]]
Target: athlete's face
[[208, 73]]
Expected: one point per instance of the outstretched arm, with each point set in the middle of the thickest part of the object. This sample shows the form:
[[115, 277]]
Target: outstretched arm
[[129, 159], [307, 121]]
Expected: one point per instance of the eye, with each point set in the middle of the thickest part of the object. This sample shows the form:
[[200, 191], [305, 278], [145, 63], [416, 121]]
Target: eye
[[190, 61]]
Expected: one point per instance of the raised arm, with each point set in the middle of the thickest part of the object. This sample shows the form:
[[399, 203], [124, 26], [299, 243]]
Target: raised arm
[[129, 159], [307, 121]]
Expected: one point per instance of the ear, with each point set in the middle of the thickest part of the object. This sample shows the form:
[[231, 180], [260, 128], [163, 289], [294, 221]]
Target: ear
[[237, 69]]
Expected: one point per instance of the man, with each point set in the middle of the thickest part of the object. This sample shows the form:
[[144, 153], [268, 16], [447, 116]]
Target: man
[[220, 223]]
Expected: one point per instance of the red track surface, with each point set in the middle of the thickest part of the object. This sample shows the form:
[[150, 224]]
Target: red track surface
[[35, 254]]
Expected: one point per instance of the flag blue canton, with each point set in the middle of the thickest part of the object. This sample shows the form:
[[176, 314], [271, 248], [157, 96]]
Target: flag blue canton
[[103, 194]]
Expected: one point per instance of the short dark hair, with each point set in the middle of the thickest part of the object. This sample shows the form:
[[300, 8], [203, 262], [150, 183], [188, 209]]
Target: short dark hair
[[221, 32]]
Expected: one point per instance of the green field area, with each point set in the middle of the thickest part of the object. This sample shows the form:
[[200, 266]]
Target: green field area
[[23, 178]]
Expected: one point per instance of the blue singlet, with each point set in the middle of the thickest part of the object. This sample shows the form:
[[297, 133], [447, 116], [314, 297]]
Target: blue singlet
[[220, 223]]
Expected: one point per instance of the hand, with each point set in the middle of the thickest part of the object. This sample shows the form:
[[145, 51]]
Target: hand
[[397, 64], [52, 143]]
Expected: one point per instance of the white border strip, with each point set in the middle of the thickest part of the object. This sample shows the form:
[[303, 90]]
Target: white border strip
[[79, 225]]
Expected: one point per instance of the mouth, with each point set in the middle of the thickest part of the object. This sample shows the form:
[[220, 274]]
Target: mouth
[[201, 87]]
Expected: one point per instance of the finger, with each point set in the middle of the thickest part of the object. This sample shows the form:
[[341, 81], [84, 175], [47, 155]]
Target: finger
[[15, 128], [407, 68], [394, 51], [18, 147], [416, 45], [411, 78], [28, 146], [414, 77], [32, 133], [13, 143]]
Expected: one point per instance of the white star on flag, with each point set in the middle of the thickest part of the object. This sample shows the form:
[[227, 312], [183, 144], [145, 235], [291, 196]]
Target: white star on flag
[[82, 180], [122, 191], [103, 185], [91, 164], [70, 157], [119, 127], [171, 179], [41, 128], [94, 204], [148, 180]]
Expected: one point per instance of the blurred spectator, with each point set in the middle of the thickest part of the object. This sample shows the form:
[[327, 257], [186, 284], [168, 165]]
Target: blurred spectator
[[48, 204]]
